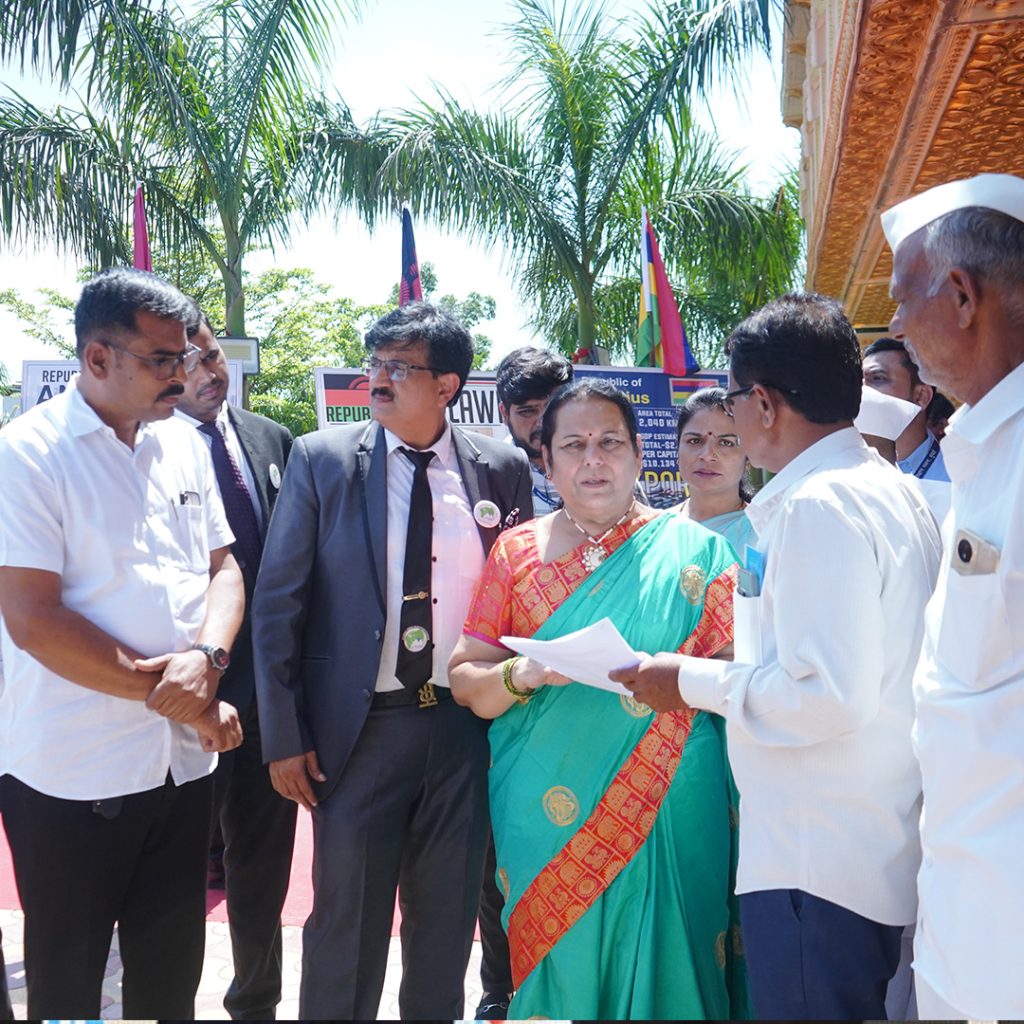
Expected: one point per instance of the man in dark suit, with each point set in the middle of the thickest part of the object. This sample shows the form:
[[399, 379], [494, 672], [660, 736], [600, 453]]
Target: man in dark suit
[[249, 454], [380, 533]]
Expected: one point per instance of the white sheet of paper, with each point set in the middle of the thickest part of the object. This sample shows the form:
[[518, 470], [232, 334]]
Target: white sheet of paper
[[587, 655]]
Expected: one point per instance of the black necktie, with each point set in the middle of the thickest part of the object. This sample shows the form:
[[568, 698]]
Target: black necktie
[[248, 546], [414, 666]]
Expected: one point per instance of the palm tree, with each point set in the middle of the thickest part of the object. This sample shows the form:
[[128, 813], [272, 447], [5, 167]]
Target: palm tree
[[594, 123], [210, 109]]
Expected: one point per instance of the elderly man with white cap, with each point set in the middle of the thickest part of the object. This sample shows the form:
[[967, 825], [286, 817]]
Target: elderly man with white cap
[[958, 279]]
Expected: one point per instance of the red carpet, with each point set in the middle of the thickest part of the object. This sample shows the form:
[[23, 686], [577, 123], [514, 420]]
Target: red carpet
[[296, 907]]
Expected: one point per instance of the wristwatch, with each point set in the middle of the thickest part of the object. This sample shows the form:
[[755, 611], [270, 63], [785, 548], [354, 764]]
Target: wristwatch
[[219, 658]]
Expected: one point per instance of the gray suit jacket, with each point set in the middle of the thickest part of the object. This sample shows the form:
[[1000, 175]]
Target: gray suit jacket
[[319, 611], [264, 444]]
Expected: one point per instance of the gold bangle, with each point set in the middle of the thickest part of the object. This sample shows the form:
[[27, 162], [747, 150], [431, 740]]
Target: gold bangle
[[522, 696]]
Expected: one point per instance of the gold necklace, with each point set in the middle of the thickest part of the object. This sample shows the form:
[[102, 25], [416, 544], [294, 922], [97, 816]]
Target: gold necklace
[[594, 555]]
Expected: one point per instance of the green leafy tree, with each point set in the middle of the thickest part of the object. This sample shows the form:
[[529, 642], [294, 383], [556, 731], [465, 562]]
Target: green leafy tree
[[595, 123], [210, 106]]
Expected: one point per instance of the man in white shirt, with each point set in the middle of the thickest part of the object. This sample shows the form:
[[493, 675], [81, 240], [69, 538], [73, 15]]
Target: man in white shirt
[[958, 279], [119, 599], [377, 540], [888, 368], [818, 701]]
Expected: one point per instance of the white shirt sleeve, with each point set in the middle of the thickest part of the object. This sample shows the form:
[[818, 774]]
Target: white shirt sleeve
[[821, 664], [31, 533]]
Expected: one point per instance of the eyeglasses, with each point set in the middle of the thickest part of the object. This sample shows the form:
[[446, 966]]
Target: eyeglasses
[[729, 399], [396, 369], [165, 367]]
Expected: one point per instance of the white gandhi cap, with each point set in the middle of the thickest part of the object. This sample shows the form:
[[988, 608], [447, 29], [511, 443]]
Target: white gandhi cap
[[1002, 192]]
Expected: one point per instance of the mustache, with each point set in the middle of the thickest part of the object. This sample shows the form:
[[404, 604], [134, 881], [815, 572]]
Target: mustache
[[387, 392], [174, 389]]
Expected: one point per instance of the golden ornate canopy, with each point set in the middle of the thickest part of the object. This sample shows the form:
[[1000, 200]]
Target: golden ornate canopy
[[892, 97]]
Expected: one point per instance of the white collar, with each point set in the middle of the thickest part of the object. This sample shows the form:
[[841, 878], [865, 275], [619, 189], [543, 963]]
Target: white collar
[[767, 500], [442, 447]]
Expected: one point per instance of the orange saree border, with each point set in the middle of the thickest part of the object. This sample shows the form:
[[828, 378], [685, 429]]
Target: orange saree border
[[575, 878], [584, 868]]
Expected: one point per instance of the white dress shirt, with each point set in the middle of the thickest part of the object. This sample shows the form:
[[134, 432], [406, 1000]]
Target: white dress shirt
[[818, 702], [130, 533], [914, 463], [234, 446], [969, 735], [458, 555]]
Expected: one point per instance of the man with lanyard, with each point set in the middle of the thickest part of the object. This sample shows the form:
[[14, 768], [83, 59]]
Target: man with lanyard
[[818, 704], [958, 281], [525, 379], [889, 369]]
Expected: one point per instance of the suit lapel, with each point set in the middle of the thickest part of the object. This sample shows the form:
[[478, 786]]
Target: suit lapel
[[372, 456], [477, 480]]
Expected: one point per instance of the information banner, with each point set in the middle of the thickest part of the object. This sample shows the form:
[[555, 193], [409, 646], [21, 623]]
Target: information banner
[[42, 379], [343, 396]]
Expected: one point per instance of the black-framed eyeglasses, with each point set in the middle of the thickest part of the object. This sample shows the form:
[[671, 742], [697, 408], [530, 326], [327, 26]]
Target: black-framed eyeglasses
[[729, 400], [165, 367], [396, 369]]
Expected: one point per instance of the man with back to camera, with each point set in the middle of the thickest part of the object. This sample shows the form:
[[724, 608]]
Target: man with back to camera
[[888, 368], [379, 535], [249, 453], [958, 281], [818, 701], [120, 599], [525, 380]]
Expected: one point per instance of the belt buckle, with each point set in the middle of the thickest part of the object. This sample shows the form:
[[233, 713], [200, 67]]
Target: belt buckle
[[427, 695]]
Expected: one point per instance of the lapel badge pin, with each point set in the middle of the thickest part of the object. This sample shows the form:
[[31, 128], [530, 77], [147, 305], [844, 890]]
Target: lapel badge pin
[[487, 514], [275, 475]]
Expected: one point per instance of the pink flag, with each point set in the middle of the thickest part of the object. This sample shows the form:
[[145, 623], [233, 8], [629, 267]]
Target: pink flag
[[143, 260]]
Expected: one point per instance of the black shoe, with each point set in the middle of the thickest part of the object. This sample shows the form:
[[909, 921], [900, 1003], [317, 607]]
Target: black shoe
[[493, 1006]]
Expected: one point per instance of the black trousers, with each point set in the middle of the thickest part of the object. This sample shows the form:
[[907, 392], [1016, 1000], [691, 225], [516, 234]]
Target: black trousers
[[6, 1011], [410, 811], [258, 826], [496, 961], [139, 861]]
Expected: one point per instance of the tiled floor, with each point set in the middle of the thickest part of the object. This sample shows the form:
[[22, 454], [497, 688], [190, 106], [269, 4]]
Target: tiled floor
[[217, 974]]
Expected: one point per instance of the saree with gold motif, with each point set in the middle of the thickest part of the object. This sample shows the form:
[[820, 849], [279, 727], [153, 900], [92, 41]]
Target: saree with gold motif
[[615, 828]]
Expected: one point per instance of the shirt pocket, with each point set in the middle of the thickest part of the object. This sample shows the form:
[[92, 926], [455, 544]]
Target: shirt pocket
[[974, 628], [188, 530], [747, 638]]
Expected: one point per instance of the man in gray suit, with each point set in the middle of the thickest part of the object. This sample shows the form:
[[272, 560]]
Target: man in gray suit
[[379, 535], [258, 826]]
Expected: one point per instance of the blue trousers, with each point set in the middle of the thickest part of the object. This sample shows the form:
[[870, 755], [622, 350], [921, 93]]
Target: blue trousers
[[809, 959]]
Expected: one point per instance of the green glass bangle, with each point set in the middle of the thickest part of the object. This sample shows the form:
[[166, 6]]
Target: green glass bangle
[[506, 677]]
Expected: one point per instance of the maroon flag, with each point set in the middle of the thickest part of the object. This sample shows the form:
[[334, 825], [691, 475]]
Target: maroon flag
[[409, 289], [143, 260]]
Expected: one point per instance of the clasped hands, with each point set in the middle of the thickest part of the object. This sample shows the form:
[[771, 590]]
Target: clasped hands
[[185, 693], [654, 681]]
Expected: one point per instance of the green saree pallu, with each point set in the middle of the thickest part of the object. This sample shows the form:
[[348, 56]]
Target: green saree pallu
[[615, 828]]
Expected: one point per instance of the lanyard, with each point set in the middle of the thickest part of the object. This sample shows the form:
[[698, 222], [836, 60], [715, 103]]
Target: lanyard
[[926, 462]]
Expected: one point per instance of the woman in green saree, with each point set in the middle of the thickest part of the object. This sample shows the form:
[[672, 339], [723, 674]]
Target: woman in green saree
[[614, 827]]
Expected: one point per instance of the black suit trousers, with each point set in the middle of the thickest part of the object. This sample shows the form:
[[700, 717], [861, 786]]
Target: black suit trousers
[[410, 811], [258, 826], [79, 872], [6, 1011]]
